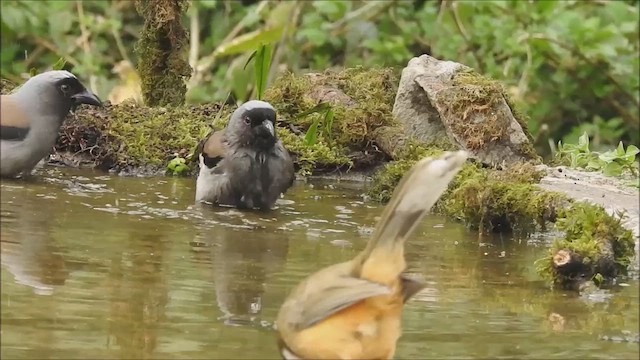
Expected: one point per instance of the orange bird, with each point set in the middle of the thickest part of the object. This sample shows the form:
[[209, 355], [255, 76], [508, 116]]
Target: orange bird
[[352, 310]]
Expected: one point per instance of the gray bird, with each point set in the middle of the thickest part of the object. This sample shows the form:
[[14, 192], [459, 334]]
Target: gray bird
[[245, 165], [31, 116]]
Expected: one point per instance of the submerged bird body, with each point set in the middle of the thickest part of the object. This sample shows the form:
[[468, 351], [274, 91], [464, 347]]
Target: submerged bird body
[[352, 310], [245, 165], [31, 117]]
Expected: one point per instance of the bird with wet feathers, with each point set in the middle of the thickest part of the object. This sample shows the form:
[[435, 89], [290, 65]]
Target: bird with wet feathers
[[353, 310], [31, 116], [245, 165]]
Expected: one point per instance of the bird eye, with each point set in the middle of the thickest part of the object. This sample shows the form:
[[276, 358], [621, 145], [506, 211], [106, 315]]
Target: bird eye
[[64, 87], [247, 120]]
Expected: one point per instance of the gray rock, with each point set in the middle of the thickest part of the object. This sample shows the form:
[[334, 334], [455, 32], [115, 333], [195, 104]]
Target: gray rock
[[445, 100]]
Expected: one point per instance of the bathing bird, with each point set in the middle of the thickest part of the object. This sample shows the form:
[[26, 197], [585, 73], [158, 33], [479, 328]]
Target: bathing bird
[[244, 165], [352, 310], [32, 115]]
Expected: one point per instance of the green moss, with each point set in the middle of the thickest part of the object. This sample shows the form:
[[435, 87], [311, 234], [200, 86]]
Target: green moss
[[474, 94], [385, 180], [308, 158], [127, 135], [588, 230], [370, 94], [162, 52], [485, 199], [500, 200]]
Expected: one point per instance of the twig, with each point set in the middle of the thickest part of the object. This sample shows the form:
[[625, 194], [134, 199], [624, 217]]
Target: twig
[[466, 37], [522, 83], [33, 56], [208, 61], [85, 43], [281, 44], [51, 47], [441, 10], [194, 45], [118, 39]]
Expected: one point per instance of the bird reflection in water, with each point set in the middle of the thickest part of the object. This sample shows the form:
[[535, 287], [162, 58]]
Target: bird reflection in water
[[28, 250], [139, 296], [242, 261]]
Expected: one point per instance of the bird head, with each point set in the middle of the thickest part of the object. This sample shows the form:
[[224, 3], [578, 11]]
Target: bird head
[[59, 89], [253, 124]]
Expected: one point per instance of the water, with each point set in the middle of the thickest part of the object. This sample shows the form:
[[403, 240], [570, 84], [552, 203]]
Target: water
[[97, 266]]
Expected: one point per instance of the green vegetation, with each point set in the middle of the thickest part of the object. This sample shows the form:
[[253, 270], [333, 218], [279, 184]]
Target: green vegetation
[[571, 65], [330, 115], [592, 234], [484, 199], [127, 135], [611, 163]]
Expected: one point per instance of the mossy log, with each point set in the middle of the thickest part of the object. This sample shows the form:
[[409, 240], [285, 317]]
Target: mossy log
[[162, 52], [596, 247]]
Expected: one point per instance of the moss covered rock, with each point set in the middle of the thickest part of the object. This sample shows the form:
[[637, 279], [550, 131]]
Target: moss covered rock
[[439, 99]]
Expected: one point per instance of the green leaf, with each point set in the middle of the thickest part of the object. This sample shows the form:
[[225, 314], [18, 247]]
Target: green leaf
[[249, 41], [33, 72], [583, 142], [631, 153], [612, 169], [620, 149], [608, 156], [594, 164], [320, 108], [328, 122], [261, 69], [59, 65], [311, 136], [253, 54]]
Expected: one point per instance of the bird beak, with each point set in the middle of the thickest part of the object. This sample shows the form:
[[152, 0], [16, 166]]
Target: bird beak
[[269, 126], [86, 97]]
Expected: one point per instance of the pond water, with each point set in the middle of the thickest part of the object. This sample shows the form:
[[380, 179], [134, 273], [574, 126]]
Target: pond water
[[100, 266]]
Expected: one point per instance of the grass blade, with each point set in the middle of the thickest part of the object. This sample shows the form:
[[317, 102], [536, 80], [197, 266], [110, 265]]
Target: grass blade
[[261, 64]]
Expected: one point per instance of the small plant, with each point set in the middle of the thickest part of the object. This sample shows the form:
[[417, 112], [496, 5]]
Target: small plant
[[611, 163], [178, 166], [261, 64], [311, 136]]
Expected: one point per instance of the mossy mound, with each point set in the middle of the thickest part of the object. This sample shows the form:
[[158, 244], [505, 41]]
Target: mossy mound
[[127, 135], [484, 199], [361, 100], [602, 246], [502, 200], [385, 180]]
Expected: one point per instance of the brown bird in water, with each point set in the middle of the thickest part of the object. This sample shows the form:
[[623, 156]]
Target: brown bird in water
[[31, 116], [245, 165], [352, 310]]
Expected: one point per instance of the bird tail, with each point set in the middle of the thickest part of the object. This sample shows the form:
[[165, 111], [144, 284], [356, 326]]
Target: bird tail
[[416, 193]]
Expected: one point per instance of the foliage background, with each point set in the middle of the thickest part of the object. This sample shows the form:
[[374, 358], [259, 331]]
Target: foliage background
[[572, 65]]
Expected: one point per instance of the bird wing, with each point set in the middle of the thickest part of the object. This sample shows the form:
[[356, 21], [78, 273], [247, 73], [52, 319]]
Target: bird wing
[[410, 287], [212, 148], [283, 168], [337, 294], [14, 122]]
